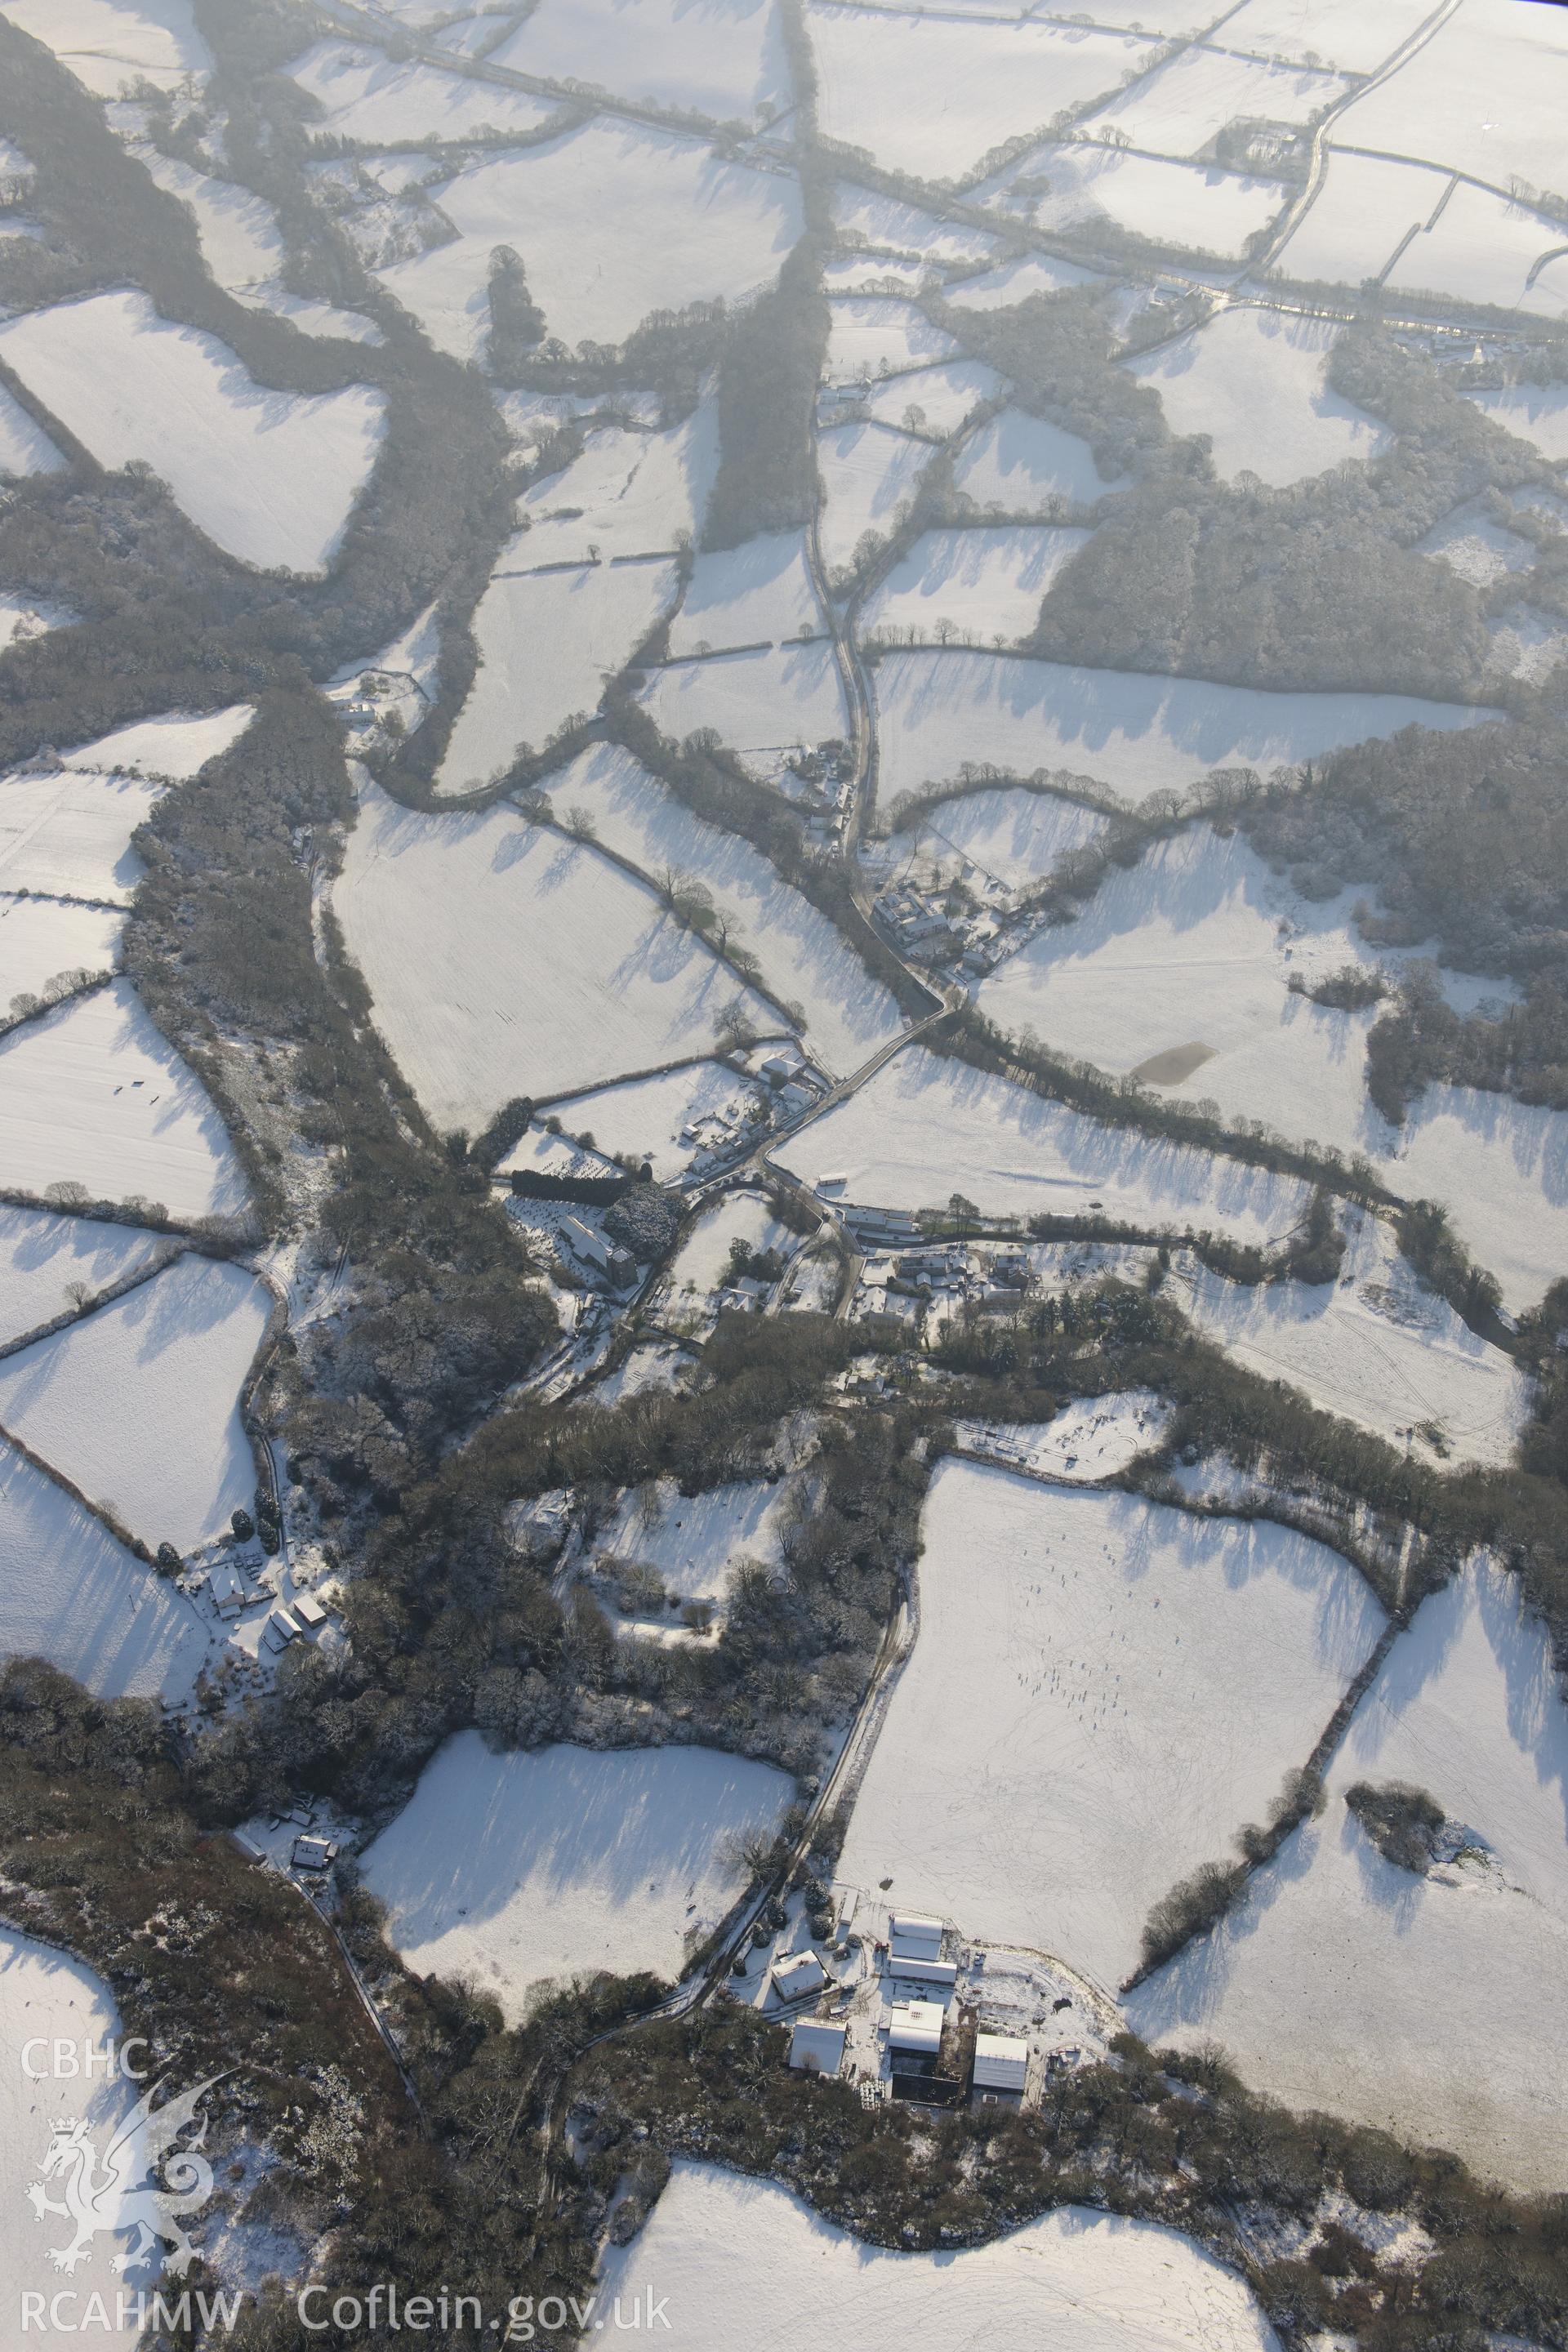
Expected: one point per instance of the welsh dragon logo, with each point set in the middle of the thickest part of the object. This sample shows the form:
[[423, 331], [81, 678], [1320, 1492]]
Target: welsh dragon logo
[[122, 2193]]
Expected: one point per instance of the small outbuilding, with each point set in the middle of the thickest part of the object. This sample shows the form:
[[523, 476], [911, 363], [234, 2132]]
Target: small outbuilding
[[815, 2047], [1001, 2061], [803, 1972], [915, 2026]]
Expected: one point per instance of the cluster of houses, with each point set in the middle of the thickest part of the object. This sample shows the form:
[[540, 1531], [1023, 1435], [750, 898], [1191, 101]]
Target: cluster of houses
[[966, 943], [912, 2023]]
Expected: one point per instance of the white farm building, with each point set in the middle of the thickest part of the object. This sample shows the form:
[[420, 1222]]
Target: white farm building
[[1001, 2063]]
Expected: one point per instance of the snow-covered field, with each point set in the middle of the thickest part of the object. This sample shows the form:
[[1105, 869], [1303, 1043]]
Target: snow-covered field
[[750, 596], [629, 493], [872, 336], [860, 214], [522, 1869], [1374, 1346], [1341, 33], [138, 1404], [1090, 1438], [983, 585], [108, 44], [1180, 108], [1535, 413], [688, 227], [761, 704], [1015, 281], [1028, 468], [25, 446], [270, 476], [703, 1255], [375, 102], [1485, 248], [40, 1253], [547, 641], [1257, 383], [1016, 836], [927, 95], [870, 476], [848, 1013], [1101, 1692], [92, 1094], [1364, 207], [1137, 734], [1483, 95], [46, 1997], [42, 938], [926, 1127], [1194, 205], [69, 1594], [667, 1119], [1501, 1169], [170, 748], [505, 959], [1423, 2006], [724, 62], [718, 2245], [946, 394], [695, 1541]]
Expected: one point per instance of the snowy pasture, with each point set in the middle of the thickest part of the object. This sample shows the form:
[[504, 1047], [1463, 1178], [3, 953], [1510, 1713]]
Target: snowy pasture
[[1101, 1692], [522, 1870], [848, 1013], [629, 493], [1015, 281], [1500, 1168], [761, 704], [1012, 836], [270, 477], [1339, 33], [1137, 734], [1534, 413], [869, 475], [1419, 2005], [138, 1404], [756, 595], [25, 446], [946, 395], [727, 62], [1193, 205], [1090, 1438], [1374, 1346], [861, 216], [700, 1262], [107, 44], [926, 1127], [547, 641], [172, 748], [42, 938], [1028, 468], [1483, 247], [983, 584], [504, 960], [1189, 954], [1479, 549], [1180, 108], [926, 95], [1364, 207], [718, 2243], [67, 834], [374, 102], [42, 1253], [694, 1542], [45, 1996], [70, 1593], [872, 335], [1257, 383], [92, 1094], [689, 227], [1484, 95], [667, 1119]]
